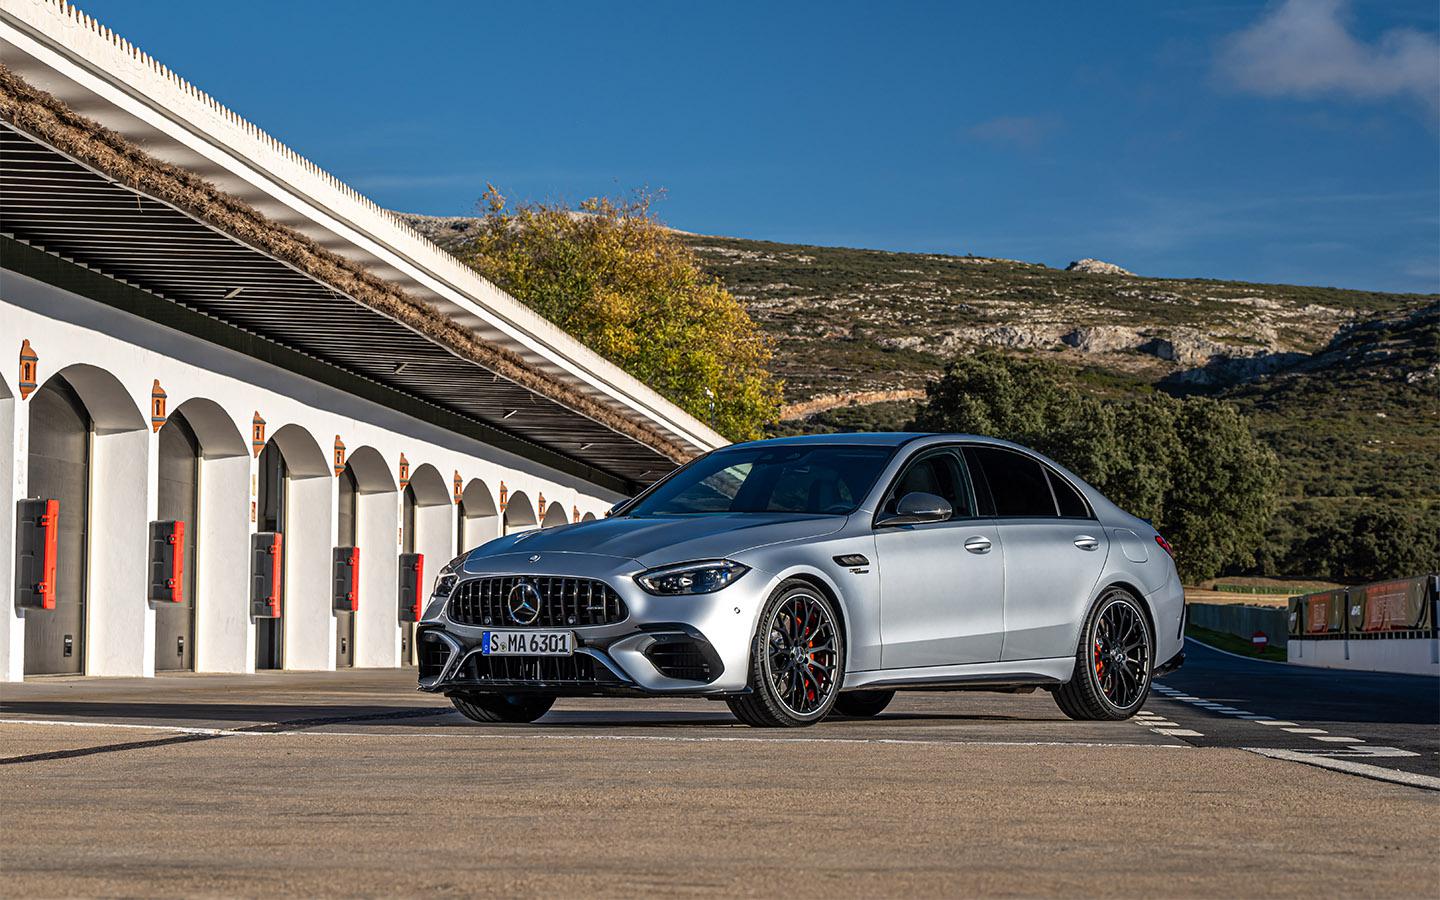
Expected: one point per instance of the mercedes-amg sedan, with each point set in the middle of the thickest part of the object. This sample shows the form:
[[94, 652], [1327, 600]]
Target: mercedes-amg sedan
[[797, 577]]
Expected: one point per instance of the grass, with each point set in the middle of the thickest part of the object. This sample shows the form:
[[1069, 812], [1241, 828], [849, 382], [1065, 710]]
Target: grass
[[1234, 644]]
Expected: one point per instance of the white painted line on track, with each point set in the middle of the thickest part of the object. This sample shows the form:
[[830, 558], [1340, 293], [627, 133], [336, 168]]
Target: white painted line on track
[[1304, 730], [1178, 732], [1336, 739], [173, 729], [1280, 722], [1394, 776], [478, 733]]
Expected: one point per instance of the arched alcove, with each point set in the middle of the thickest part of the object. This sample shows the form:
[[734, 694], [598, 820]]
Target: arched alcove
[[211, 624], [294, 498], [476, 518], [366, 520], [430, 531], [89, 449], [588, 517], [376, 520], [555, 515], [519, 513]]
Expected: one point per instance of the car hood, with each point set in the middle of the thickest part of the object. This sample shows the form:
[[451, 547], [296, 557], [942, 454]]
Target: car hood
[[661, 540]]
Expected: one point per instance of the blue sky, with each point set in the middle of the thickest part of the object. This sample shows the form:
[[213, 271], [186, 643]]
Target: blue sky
[[1296, 141]]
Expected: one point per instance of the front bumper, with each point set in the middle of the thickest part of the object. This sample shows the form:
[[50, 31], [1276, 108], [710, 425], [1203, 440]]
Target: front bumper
[[677, 646]]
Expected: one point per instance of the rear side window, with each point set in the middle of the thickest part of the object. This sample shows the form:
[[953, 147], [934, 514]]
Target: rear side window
[[1072, 505], [1018, 485]]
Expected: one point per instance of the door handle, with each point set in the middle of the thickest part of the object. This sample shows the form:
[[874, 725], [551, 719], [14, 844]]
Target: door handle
[[1086, 542], [978, 545]]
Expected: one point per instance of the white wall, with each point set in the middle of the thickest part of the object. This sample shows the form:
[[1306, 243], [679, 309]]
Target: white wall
[[66, 329], [12, 479], [377, 635], [309, 539], [119, 624], [1409, 656], [224, 637]]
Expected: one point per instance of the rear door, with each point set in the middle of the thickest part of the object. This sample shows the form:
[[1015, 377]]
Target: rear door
[[1054, 550], [942, 584]]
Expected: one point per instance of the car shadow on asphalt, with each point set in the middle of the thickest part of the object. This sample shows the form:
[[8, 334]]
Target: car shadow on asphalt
[[282, 716], [223, 715]]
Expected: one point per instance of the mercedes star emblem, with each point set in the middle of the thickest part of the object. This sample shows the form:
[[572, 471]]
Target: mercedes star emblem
[[523, 602], [535, 558]]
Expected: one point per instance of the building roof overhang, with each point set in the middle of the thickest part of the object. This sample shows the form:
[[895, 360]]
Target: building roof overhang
[[113, 162]]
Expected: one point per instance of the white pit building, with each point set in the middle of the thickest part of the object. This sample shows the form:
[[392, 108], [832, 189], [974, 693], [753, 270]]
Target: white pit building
[[204, 327]]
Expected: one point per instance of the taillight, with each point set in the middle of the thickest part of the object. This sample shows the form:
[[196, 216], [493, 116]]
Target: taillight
[[1164, 544]]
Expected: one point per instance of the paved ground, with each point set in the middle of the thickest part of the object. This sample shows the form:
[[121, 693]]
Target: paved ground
[[1371, 718], [305, 784]]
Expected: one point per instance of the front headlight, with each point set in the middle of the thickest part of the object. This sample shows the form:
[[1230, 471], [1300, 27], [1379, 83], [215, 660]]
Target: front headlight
[[445, 583], [703, 577]]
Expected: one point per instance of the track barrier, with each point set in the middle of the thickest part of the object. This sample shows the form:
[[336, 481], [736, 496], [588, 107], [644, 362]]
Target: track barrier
[[1399, 608]]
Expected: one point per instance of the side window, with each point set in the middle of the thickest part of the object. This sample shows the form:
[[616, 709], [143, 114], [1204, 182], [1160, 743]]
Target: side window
[[1018, 486], [1072, 505], [937, 473]]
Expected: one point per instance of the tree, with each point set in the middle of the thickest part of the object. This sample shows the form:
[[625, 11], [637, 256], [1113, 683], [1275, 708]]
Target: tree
[[1192, 467], [627, 287]]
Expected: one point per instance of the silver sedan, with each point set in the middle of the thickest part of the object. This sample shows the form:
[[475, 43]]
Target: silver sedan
[[802, 576]]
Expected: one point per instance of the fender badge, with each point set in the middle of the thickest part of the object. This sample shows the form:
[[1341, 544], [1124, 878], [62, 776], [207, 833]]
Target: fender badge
[[535, 558]]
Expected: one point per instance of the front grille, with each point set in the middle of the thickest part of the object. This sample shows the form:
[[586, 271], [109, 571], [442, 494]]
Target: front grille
[[564, 602], [434, 653], [535, 670], [680, 659]]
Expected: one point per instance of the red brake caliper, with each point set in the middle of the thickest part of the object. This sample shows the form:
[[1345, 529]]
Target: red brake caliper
[[1099, 662], [809, 664]]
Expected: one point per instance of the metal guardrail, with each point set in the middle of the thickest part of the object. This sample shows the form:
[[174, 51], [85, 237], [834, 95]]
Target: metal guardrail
[[1399, 608]]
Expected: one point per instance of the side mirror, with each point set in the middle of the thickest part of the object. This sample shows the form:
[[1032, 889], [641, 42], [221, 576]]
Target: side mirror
[[612, 510], [917, 508]]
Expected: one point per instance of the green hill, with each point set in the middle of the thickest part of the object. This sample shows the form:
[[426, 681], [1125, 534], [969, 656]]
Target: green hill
[[1344, 384]]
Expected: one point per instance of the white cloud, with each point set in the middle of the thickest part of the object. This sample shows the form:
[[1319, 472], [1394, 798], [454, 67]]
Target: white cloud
[[1304, 48]]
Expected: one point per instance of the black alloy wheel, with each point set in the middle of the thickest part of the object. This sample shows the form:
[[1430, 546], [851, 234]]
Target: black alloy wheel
[[1113, 663], [796, 662]]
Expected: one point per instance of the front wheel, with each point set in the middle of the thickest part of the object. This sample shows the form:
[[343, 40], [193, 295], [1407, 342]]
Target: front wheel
[[1113, 662], [797, 659], [513, 708]]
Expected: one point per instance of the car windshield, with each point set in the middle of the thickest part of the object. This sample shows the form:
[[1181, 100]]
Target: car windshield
[[829, 479]]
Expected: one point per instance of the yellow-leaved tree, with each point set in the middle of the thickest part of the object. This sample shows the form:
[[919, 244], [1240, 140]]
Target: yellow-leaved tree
[[626, 286]]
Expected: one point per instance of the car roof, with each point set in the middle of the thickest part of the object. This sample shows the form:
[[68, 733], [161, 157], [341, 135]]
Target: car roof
[[870, 438]]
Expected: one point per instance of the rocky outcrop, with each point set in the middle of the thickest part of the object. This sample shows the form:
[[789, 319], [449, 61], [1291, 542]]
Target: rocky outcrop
[[1103, 339], [1096, 267]]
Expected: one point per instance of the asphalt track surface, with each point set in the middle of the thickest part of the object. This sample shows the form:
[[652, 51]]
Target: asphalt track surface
[[352, 783]]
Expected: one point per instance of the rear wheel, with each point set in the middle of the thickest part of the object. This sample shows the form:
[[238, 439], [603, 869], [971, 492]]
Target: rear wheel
[[1113, 662], [863, 704], [797, 659], [514, 708]]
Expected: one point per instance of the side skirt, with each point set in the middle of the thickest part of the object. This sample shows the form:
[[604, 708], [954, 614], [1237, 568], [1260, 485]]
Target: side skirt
[[1039, 672]]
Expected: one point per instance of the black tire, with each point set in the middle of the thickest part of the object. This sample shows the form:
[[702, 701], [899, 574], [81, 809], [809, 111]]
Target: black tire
[[793, 683], [863, 704], [512, 708], [1113, 664]]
